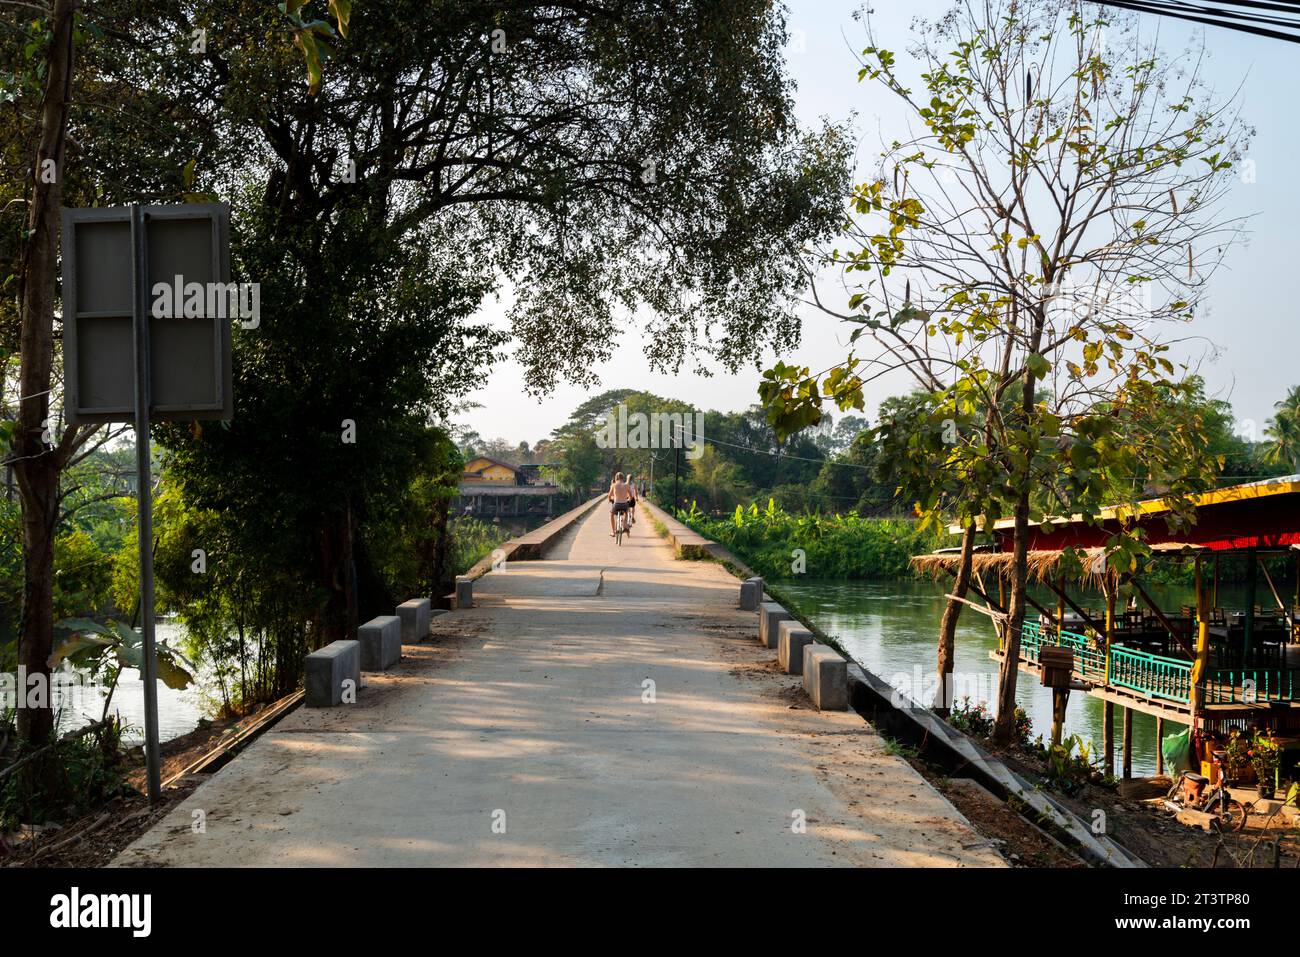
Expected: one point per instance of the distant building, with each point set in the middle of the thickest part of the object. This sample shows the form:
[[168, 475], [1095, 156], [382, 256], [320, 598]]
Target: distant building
[[490, 488], [483, 469]]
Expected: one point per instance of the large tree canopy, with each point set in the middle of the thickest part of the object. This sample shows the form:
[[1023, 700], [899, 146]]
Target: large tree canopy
[[588, 155], [578, 159]]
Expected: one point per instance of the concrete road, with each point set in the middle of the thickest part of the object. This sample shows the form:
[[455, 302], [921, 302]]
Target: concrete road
[[605, 706]]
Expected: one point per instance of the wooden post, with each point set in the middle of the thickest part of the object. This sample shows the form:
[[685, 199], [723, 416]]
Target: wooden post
[[1060, 606], [1160, 755], [1108, 736], [1128, 744], [1202, 656], [1060, 699], [1108, 707]]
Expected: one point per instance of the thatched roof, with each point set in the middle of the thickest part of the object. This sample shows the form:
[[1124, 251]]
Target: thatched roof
[[1044, 566]]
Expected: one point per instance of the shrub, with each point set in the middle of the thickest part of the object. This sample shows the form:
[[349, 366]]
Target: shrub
[[972, 719], [838, 546]]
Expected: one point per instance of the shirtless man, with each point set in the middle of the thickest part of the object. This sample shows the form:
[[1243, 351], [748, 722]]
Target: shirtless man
[[621, 499]]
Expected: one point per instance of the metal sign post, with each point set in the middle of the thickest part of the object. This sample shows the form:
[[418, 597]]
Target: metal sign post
[[144, 498], [177, 362]]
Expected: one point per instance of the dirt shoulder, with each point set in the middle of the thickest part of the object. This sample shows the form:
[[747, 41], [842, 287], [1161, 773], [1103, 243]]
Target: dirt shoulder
[[95, 838]]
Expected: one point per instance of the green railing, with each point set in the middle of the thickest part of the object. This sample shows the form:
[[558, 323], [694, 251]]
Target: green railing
[[1228, 685], [1089, 658], [1158, 676], [1153, 675]]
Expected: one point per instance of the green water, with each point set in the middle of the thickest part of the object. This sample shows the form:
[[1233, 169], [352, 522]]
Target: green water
[[891, 628]]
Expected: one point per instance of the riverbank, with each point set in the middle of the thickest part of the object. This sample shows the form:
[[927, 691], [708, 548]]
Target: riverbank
[[94, 838]]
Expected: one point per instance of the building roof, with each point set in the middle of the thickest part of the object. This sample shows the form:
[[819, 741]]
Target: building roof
[[1261, 515], [489, 459]]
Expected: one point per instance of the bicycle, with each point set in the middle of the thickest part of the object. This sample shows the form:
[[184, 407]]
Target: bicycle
[[1190, 791], [620, 525]]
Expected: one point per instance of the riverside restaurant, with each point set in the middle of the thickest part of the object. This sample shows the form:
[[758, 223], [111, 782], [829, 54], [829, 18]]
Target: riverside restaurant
[[1228, 674]]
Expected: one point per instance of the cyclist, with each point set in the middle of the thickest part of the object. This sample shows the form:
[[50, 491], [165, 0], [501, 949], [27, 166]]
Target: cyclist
[[631, 512], [620, 499]]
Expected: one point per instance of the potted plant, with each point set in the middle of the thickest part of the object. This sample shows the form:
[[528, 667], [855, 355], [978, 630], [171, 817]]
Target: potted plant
[[1236, 758], [1265, 755]]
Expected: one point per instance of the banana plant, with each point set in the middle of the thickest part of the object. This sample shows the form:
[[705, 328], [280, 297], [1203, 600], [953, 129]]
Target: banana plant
[[105, 649]]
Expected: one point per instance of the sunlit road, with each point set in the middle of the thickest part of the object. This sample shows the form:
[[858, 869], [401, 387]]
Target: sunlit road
[[606, 706]]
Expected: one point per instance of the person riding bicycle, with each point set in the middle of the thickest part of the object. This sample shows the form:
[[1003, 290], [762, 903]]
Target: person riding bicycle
[[621, 499]]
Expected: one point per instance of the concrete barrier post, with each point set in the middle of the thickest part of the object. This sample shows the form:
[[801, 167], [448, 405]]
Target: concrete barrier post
[[381, 642], [770, 614], [791, 640], [327, 671], [464, 591], [825, 678], [751, 594], [415, 620]]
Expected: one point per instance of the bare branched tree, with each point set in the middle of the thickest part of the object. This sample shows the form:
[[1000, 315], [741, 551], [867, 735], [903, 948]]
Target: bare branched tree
[[1029, 256]]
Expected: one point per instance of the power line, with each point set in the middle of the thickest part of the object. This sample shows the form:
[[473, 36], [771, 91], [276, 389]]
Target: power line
[[1275, 19], [779, 455]]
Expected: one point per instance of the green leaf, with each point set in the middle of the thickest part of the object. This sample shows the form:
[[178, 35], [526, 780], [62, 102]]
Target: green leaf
[[342, 10], [170, 672], [75, 646]]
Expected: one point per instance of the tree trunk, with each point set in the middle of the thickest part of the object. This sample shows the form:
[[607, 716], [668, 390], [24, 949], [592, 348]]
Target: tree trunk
[[948, 626], [1004, 725], [374, 597], [36, 462], [436, 577]]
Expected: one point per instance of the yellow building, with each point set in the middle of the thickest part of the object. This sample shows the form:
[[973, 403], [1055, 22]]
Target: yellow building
[[481, 469], [492, 489]]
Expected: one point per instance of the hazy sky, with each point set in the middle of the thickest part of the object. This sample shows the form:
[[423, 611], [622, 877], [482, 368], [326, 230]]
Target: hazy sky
[[1251, 318]]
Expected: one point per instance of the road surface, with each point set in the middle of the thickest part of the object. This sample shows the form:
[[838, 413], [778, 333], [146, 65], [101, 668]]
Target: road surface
[[608, 705]]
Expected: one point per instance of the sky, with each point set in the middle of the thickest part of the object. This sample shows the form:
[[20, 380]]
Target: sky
[[1247, 336]]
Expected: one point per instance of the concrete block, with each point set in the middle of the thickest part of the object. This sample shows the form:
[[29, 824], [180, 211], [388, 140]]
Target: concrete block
[[464, 591], [791, 639], [328, 669], [751, 594], [415, 620], [381, 642], [825, 677], [770, 614]]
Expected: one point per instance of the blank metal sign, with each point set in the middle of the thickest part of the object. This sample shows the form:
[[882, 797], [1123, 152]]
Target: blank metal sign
[[189, 357]]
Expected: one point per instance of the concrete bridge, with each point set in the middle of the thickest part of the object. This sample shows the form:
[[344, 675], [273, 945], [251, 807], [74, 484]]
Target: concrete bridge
[[606, 705]]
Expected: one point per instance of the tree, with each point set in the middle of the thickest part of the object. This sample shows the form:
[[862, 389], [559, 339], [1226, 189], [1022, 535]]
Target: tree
[[79, 136], [718, 480], [1283, 432], [1061, 210], [575, 461], [583, 157]]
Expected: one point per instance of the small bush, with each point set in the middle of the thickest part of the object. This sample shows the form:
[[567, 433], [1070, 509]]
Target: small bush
[[75, 775], [972, 719]]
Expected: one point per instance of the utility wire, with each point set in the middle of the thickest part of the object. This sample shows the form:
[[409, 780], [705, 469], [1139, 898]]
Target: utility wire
[[779, 455], [1275, 19]]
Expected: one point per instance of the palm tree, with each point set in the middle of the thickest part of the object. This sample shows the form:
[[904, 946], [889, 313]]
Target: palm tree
[[1283, 432]]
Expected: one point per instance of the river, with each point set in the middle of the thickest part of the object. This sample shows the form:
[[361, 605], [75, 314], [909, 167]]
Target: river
[[891, 628], [179, 712]]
